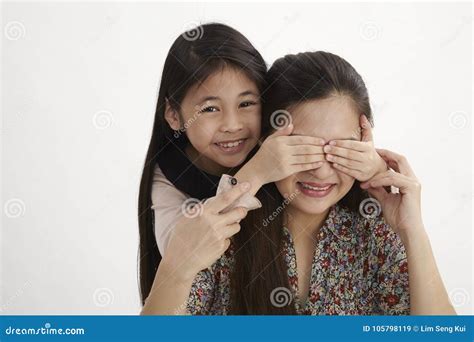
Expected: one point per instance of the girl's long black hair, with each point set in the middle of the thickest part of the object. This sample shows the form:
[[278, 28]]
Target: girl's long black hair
[[194, 56]]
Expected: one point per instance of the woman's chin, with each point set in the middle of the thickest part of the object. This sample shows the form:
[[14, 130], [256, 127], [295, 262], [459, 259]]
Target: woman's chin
[[312, 207]]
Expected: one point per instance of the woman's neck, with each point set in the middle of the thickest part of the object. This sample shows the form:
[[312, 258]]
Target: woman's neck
[[301, 224]]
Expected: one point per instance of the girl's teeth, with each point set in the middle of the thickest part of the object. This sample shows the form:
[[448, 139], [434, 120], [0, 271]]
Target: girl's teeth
[[232, 144], [314, 188]]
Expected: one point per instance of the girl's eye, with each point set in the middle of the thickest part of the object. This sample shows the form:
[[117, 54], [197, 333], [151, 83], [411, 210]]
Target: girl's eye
[[209, 109], [247, 104]]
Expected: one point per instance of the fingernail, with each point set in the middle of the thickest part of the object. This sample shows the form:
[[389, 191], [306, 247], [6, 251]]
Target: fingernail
[[245, 186], [333, 143], [327, 148]]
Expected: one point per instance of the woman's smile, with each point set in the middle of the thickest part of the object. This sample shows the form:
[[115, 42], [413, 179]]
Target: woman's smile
[[317, 190]]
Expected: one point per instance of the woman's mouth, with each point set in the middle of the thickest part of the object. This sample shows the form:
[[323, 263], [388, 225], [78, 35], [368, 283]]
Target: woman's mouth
[[231, 146], [315, 189]]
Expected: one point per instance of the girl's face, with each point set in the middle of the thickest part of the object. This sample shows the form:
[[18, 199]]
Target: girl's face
[[315, 191], [221, 117]]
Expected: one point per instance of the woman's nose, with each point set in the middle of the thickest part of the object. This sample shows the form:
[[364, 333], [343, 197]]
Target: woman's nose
[[324, 171]]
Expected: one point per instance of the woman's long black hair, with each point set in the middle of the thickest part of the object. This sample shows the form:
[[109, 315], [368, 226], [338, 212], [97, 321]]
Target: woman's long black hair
[[194, 56], [259, 265]]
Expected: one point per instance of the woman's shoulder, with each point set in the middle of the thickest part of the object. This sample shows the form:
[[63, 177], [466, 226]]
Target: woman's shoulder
[[369, 229]]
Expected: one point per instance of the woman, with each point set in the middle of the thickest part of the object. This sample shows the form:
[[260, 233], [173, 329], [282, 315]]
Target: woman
[[312, 242]]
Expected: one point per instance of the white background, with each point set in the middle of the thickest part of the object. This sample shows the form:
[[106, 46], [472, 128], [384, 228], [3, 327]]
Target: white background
[[79, 85]]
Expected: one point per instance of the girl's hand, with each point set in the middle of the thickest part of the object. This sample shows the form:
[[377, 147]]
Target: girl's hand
[[358, 159], [401, 210], [203, 234], [282, 155]]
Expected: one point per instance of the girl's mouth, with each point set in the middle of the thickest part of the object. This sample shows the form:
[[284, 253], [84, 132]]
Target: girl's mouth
[[315, 189], [231, 146]]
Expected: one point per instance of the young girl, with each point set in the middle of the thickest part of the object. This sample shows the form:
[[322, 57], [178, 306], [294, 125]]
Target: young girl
[[207, 123], [319, 251]]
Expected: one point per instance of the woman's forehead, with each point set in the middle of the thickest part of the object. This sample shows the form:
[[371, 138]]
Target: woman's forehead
[[331, 118]]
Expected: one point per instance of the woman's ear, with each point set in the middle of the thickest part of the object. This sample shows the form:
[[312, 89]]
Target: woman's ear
[[172, 116]]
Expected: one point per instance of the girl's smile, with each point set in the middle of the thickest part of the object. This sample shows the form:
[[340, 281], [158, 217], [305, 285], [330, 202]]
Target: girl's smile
[[231, 146]]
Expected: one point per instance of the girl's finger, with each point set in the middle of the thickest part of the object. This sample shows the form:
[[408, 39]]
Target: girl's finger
[[307, 158], [349, 163], [282, 131], [344, 152], [305, 149], [401, 161], [305, 167], [360, 146], [303, 140], [350, 172], [223, 200]]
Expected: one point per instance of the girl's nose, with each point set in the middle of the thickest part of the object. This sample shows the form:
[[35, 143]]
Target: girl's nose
[[231, 122]]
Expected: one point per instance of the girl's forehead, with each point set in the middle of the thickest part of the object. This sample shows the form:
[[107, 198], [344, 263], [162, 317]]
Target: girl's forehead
[[226, 80]]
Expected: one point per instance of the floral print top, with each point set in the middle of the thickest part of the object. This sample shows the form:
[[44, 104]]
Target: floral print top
[[359, 267]]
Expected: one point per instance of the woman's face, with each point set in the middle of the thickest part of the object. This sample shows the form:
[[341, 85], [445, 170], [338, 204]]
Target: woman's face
[[221, 117], [315, 191]]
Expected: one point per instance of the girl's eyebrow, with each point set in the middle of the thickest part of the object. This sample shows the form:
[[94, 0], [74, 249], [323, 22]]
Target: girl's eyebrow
[[247, 92], [208, 98], [211, 98]]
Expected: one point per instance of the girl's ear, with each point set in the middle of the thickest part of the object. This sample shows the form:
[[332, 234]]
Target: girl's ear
[[172, 116]]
